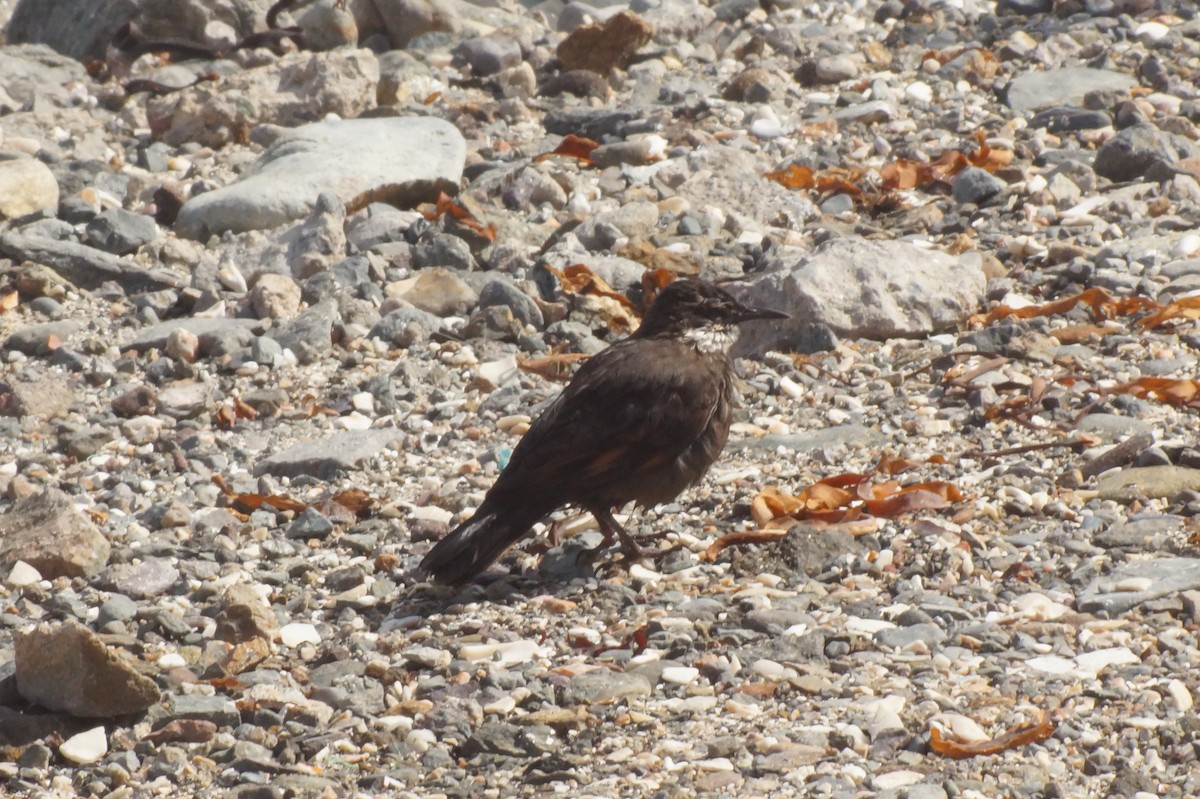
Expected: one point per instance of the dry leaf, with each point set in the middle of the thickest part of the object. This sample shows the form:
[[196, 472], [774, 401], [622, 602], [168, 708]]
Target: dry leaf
[[192, 731], [1028, 733], [226, 417], [577, 279], [572, 146], [890, 466], [847, 497], [835, 180], [355, 500], [447, 205], [1075, 334], [1182, 392], [8, 301], [902, 174], [654, 281], [738, 539], [906, 174], [1102, 304], [552, 367], [794, 176], [1184, 308], [248, 503], [243, 410]]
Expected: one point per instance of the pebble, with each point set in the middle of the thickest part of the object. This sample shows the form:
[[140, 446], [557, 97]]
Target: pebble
[[297, 633], [86, 747], [22, 575], [26, 186]]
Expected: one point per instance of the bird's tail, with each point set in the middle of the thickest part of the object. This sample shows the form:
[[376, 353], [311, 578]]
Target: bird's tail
[[474, 545]]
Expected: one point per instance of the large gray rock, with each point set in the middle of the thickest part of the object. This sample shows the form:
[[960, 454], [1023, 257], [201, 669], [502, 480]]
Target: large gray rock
[[1033, 91], [407, 160], [864, 289], [716, 176], [300, 249], [299, 88], [325, 457], [66, 667], [1162, 576], [32, 394], [155, 336], [403, 20], [1167, 482], [46, 532], [76, 28], [85, 266]]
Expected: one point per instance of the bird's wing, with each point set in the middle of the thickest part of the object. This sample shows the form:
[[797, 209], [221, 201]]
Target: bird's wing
[[617, 419]]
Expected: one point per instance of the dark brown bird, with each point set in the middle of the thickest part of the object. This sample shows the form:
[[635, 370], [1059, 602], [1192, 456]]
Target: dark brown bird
[[640, 421]]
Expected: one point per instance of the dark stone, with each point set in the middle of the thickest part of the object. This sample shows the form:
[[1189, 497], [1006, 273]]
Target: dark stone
[[310, 524], [1135, 151], [975, 186], [523, 307], [121, 232], [1069, 118]]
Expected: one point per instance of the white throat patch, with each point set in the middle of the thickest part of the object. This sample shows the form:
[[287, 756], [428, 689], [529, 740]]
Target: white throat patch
[[711, 338]]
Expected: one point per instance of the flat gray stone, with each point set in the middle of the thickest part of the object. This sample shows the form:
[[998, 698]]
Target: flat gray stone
[[404, 161], [325, 457], [142, 580], [1033, 91], [220, 710], [602, 686], [35, 339], [184, 399], [716, 175], [1139, 151], [1166, 575], [310, 334], [1111, 427], [85, 266], [848, 435], [900, 637], [1167, 482], [121, 232], [155, 336], [45, 395], [864, 289]]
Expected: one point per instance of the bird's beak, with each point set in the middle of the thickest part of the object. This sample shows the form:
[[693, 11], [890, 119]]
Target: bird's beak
[[747, 314]]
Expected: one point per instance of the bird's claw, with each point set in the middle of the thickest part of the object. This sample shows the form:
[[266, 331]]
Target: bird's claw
[[637, 553], [631, 551]]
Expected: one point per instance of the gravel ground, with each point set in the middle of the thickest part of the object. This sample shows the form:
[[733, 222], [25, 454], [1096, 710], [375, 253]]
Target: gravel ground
[[229, 431]]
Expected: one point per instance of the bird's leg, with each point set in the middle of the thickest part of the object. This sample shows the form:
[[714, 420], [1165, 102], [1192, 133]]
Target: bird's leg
[[552, 534], [610, 526], [629, 545], [603, 518]]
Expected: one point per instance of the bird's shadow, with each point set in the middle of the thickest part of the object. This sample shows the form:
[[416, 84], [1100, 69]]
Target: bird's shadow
[[557, 574]]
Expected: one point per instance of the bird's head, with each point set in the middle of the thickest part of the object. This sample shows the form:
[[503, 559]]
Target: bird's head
[[700, 312]]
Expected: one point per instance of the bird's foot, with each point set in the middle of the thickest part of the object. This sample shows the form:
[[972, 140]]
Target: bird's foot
[[635, 551], [589, 556]]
